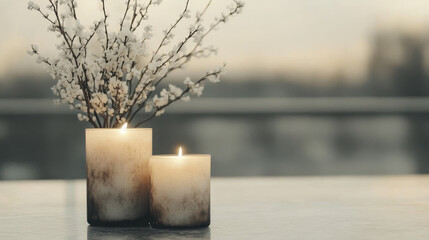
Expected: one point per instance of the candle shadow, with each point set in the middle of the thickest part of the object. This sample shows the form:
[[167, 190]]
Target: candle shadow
[[131, 233]]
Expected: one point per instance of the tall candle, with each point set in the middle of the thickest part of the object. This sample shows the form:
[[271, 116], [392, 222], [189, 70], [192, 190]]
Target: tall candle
[[180, 190], [117, 163]]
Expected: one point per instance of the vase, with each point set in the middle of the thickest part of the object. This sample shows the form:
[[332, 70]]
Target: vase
[[117, 164]]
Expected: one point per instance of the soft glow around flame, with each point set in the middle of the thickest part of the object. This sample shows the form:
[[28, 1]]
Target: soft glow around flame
[[180, 151], [124, 127]]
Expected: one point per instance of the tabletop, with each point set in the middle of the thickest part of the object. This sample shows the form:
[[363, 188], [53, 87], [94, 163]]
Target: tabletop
[[376, 207]]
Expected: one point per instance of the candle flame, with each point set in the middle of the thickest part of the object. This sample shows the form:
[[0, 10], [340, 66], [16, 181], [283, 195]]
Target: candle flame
[[180, 151], [123, 128]]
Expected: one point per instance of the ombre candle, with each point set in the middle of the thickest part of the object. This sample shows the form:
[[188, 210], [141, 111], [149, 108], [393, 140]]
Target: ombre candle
[[180, 190], [117, 162]]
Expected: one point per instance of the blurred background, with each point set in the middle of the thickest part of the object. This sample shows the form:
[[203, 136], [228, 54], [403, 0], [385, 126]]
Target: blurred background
[[312, 88]]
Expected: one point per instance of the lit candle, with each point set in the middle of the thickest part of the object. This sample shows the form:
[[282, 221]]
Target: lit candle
[[117, 163], [180, 190]]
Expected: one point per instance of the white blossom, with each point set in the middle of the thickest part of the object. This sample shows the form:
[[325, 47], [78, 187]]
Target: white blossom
[[148, 32], [197, 89], [108, 75], [148, 107], [175, 91], [82, 117], [188, 81], [159, 112], [186, 98], [157, 2], [33, 6], [162, 99]]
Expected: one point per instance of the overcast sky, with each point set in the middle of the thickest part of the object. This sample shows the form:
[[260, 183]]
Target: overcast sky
[[310, 37]]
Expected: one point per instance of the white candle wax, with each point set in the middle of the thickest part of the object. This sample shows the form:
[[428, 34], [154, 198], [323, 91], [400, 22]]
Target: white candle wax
[[180, 190], [118, 176]]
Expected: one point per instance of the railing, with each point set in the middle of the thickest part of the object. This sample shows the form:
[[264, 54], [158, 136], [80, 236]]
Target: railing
[[335, 105]]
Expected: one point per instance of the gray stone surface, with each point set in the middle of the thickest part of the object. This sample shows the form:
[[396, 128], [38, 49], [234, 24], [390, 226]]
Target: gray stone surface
[[395, 207]]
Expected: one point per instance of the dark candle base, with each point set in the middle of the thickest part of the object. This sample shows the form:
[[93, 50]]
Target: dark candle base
[[133, 223], [202, 225], [176, 212]]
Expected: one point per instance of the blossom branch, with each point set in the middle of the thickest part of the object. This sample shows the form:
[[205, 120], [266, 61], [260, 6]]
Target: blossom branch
[[143, 15], [105, 80], [125, 15], [173, 98]]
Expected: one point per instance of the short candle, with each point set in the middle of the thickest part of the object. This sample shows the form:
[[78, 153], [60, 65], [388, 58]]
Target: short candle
[[180, 190], [118, 176]]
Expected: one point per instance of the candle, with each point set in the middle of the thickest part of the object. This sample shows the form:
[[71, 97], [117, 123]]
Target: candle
[[180, 190], [117, 163]]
